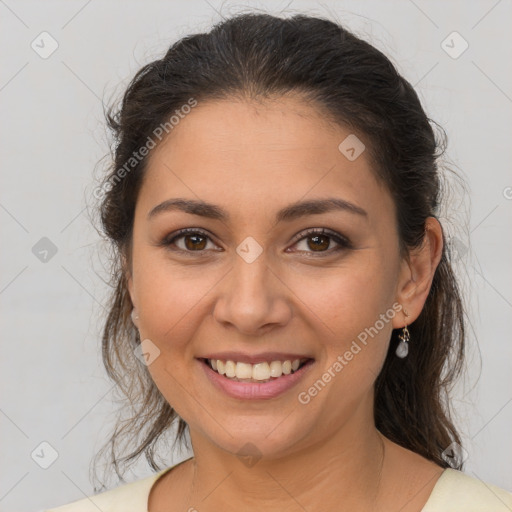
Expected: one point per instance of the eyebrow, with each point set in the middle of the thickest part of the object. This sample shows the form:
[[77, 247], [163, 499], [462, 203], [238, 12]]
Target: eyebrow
[[287, 214]]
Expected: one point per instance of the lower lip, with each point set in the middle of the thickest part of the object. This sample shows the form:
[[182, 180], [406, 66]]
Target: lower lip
[[254, 390]]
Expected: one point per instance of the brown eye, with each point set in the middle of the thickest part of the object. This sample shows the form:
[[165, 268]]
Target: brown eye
[[321, 241], [189, 240], [195, 242], [318, 242]]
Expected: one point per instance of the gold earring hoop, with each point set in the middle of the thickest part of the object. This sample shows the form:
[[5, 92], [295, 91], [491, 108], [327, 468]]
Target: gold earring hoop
[[403, 347]]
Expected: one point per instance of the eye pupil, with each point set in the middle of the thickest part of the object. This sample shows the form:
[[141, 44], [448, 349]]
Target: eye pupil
[[317, 244], [197, 243]]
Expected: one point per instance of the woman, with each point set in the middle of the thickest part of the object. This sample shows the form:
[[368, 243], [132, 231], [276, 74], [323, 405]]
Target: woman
[[283, 288]]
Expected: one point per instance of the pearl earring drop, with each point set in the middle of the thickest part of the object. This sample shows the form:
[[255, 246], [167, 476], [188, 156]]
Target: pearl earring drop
[[403, 347]]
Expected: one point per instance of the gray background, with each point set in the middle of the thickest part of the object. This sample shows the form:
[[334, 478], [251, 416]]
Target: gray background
[[52, 135]]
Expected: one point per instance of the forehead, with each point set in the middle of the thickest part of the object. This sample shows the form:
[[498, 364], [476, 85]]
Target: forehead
[[258, 153]]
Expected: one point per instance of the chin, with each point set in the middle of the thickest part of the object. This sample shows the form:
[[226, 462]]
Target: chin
[[271, 436]]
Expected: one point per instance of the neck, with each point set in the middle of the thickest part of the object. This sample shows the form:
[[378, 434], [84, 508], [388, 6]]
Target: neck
[[346, 468]]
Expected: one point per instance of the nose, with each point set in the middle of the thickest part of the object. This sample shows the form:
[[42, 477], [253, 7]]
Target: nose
[[252, 298]]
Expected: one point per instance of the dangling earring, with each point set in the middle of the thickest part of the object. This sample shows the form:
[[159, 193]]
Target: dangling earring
[[403, 347], [135, 317]]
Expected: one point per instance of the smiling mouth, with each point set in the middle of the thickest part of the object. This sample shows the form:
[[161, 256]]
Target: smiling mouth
[[255, 373]]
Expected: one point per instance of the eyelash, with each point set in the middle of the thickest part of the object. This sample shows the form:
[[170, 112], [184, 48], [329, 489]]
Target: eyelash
[[343, 242]]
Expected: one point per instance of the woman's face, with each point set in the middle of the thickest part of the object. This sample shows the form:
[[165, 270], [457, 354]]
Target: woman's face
[[252, 285]]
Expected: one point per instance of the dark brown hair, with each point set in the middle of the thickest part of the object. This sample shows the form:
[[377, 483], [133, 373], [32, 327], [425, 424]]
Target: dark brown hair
[[353, 84]]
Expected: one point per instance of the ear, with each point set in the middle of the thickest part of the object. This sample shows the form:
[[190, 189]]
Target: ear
[[417, 273]]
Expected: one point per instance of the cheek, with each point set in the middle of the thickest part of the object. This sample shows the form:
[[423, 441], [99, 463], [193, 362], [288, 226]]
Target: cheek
[[349, 298], [354, 309], [172, 302], [171, 297]]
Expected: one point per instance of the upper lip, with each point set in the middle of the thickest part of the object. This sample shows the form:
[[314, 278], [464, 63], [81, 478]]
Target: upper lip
[[255, 358]]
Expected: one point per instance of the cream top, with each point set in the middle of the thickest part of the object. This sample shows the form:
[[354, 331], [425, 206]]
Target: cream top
[[454, 492]]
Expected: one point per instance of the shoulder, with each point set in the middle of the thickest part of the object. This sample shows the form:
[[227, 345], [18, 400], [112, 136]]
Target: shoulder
[[133, 496], [456, 491]]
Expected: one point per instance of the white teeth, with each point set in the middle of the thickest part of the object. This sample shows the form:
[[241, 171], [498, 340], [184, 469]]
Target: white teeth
[[230, 369], [276, 369], [243, 371], [259, 371]]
